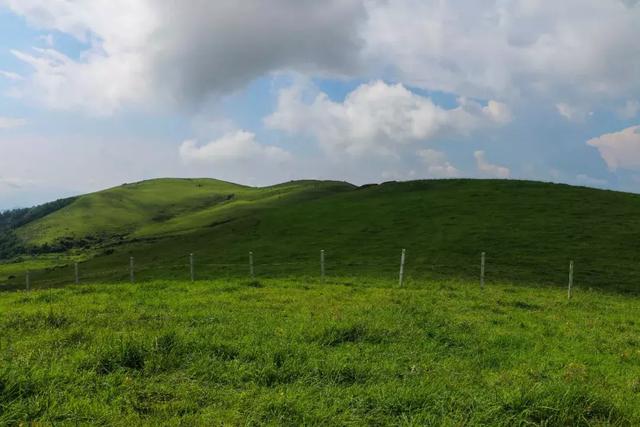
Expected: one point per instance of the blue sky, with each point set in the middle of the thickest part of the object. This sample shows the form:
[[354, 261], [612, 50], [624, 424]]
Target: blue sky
[[94, 94]]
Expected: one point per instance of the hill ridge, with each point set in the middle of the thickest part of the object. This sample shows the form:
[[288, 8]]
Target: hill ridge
[[529, 230]]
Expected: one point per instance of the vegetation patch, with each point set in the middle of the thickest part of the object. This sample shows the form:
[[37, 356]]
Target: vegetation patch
[[37, 320], [157, 355], [255, 284], [522, 305], [339, 334], [127, 354], [559, 406]]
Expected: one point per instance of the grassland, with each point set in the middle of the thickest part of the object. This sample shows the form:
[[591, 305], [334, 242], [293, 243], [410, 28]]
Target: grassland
[[294, 352], [530, 231], [290, 349]]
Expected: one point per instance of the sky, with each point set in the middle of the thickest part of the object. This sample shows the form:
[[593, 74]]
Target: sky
[[96, 93]]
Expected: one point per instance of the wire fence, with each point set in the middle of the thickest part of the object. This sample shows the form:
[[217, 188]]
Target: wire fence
[[401, 268]]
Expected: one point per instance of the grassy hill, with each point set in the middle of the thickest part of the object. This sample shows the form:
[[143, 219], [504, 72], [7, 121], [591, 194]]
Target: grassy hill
[[164, 206], [529, 230], [354, 349], [289, 352]]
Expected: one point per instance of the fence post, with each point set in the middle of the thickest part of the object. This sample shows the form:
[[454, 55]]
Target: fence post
[[570, 279], [77, 273], [251, 273], [28, 280], [322, 264], [402, 258], [132, 274], [192, 268], [482, 263]]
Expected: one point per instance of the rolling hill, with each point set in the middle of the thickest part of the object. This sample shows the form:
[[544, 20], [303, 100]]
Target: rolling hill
[[529, 230]]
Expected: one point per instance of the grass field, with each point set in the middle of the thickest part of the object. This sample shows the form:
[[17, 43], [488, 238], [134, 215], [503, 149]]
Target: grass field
[[294, 352], [529, 230]]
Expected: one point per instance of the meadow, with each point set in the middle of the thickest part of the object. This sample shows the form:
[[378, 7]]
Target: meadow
[[289, 348], [529, 230], [298, 351]]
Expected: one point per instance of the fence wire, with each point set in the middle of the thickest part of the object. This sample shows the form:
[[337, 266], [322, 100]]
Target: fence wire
[[420, 266]]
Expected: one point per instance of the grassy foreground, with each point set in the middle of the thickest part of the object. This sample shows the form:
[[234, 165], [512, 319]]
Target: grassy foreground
[[301, 352]]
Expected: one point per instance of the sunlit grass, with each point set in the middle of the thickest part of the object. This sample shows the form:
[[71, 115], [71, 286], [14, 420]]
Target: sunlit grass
[[299, 351]]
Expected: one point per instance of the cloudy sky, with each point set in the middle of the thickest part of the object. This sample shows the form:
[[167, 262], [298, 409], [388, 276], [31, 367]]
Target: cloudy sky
[[94, 93]]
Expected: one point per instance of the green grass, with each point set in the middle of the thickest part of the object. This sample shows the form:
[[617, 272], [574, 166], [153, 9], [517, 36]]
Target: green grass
[[294, 352], [529, 230], [354, 350], [165, 206]]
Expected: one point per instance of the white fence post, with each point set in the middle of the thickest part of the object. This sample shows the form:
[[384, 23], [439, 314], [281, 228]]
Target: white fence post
[[192, 268], [251, 273], [132, 274], [28, 280], [322, 264], [570, 279], [482, 263], [402, 258], [77, 273]]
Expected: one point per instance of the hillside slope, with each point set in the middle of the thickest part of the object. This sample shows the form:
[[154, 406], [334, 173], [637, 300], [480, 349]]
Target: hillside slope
[[529, 230], [162, 206]]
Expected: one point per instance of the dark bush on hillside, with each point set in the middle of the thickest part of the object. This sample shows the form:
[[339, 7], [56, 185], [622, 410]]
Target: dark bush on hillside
[[10, 245], [14, 218]]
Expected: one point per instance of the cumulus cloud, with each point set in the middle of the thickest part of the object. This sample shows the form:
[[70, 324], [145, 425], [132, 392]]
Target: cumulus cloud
[[489, 170], [152, 51], [377, 118], [437, 164], [100, 85], [235, 147], [11, 122], [582, 51], [619, 149], [147, 51]]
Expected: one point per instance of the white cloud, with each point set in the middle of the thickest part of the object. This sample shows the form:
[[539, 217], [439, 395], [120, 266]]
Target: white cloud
[[47, 40], [378, 118], [437, 164], [581, 51], [148, 52], [238, 146], [630, 109], [11, 122], [15, 183], [159, 51], [396, 175], [100, 85], [619, 149], [589, 181], [572, 113], [11, 76], [489, 170]]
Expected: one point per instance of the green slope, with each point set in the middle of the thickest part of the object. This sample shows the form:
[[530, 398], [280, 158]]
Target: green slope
[[530, 230], [162, 206]]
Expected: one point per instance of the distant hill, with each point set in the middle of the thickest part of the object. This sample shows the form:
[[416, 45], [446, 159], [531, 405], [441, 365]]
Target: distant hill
[[529, 230]]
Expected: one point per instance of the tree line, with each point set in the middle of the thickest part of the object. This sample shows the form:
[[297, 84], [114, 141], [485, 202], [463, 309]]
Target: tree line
[[10, 220]]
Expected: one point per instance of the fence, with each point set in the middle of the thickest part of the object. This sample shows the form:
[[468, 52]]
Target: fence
[[193, 270]]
